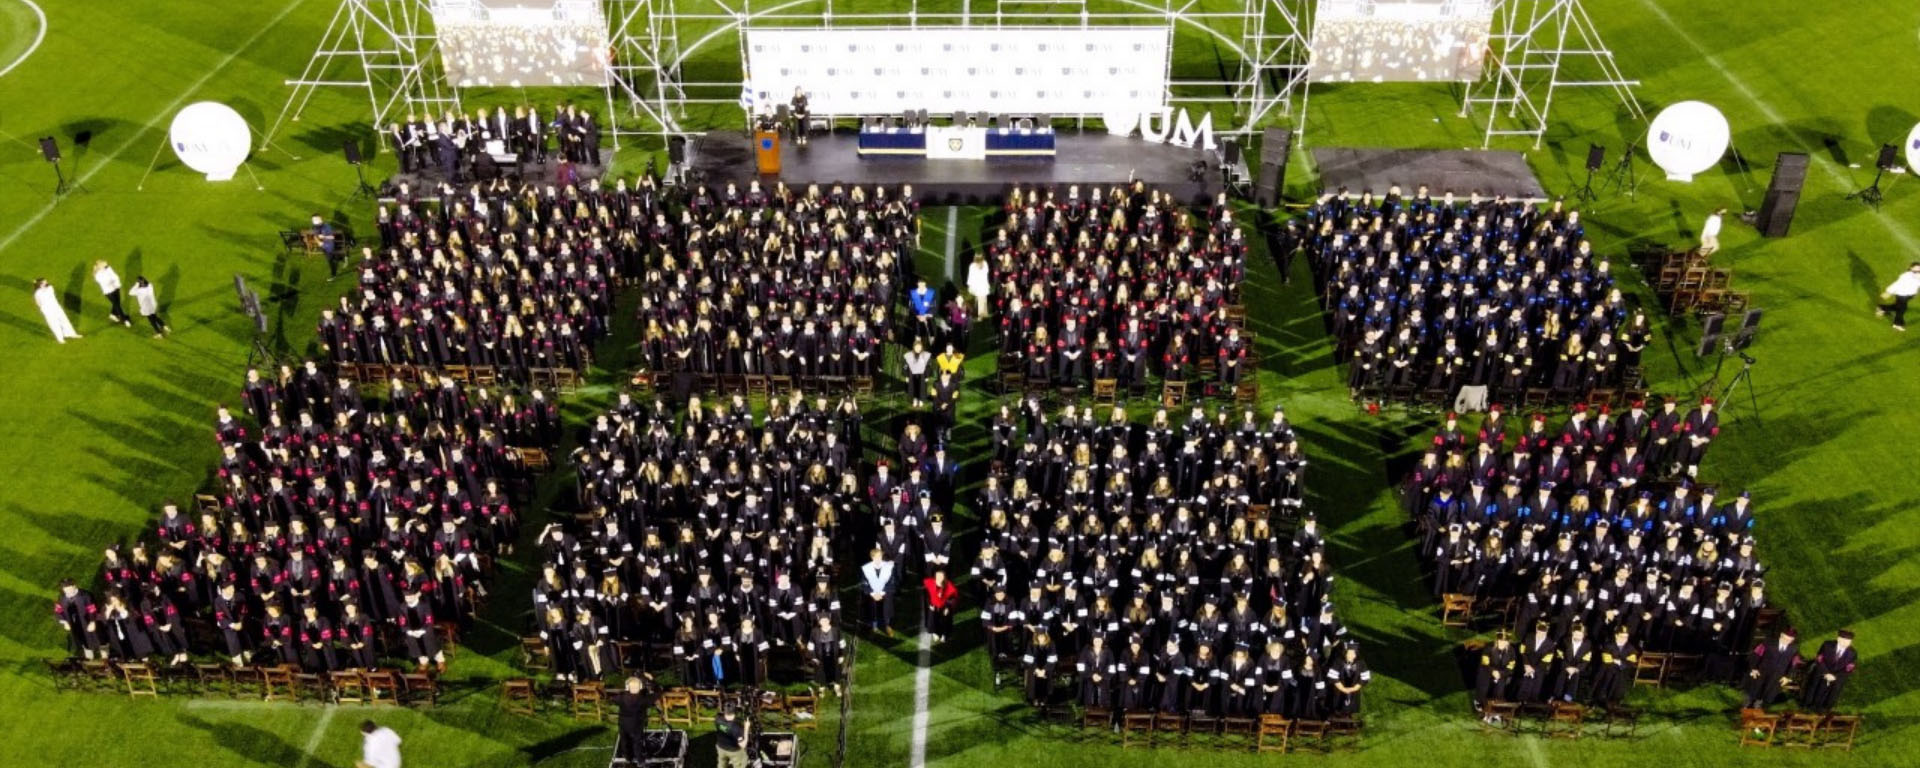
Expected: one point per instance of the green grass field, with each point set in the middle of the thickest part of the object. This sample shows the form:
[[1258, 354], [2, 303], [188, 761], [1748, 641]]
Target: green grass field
[[95, 433]]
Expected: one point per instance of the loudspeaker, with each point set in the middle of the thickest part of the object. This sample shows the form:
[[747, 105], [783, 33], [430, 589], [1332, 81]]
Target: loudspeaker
[[1710, 328], [50, 149], [353, 152], [1272, 176], [1783, 194], [1889, 157], [1229, 152], [1749, 327], [1274, 145], [1596, 156], [677, 149]]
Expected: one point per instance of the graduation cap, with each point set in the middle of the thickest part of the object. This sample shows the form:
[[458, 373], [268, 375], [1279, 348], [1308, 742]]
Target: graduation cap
[[1746, 494], [1789, 632], [1579, 407], [1452, 416], [1546, 485], [1503, 636], [1646, 494], [1706, 401], [1611, 485], [1640, 403], [1540, 417], [1846, 634], [1495, 408]]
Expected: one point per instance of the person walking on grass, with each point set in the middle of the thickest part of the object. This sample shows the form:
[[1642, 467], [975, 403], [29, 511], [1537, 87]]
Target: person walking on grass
[[1899, 294], [109, 282], [379, 747], [55, 314], [1710, 232], [148, 305]]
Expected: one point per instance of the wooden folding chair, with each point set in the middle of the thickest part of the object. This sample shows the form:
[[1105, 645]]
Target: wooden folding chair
[[1202, 723], [862, 386], [805, 709], [1568, 720], [383, 686], [1622, 720], [1802, 730], [1311, 733], [1497, 715], [1096, 718], [1651, 669], [676, 707], [349, 686], [516, 696], [1456, 610], [1136, 724], [534, 459], [311, 686], [1170, 724], [1173, 393], [757, 385], [65, 673], [1757, 728], [589, 700], [140, 680], [1105, 391], [458, 373], [1343, 730], [534, 654], [246, 682], [1840, 731], [419, 688], [1247, 392], [277, 682], [485, 375]]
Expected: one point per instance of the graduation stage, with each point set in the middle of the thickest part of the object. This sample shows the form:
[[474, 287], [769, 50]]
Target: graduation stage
[[1089, 159], [1462, 172]]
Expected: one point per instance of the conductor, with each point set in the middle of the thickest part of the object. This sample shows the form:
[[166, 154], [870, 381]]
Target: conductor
[[634, 703]]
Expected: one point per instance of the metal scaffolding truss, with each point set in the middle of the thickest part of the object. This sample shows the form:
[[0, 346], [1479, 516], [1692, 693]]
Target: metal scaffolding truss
[[1264, 68], [1533, 44], [387, 48]]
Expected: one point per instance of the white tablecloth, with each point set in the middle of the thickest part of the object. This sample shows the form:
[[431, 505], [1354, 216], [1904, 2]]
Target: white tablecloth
[[948, 142]]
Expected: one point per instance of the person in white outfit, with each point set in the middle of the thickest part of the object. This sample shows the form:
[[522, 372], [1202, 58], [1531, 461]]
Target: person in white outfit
[[109, 282], [978, 284], [1710, 233], [148, 305], [1900, 293], [50, 308]]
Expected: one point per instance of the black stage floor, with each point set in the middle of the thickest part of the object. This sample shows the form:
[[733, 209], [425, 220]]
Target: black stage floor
[[1461, 172], [1088, 159]]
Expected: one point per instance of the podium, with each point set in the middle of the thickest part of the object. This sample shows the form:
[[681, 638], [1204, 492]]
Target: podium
[[766, 151]]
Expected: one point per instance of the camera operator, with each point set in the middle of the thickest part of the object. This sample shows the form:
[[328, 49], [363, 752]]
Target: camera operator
[[735, 733]]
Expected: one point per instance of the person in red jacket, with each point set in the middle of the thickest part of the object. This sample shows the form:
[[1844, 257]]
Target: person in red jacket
[[941, 597]]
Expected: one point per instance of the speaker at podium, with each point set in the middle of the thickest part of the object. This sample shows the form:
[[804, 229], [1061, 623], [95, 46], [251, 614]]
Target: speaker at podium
[[766, 152]]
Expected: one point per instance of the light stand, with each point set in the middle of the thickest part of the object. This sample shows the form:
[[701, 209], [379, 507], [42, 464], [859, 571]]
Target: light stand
[[1623, 175]]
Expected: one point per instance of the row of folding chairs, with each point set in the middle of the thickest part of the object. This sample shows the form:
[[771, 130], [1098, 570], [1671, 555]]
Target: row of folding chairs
[[1261, 733], [760, 385], [562, 380], [282, 682]]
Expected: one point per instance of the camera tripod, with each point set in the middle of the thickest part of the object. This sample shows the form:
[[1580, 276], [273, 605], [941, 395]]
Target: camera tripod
[[1871, 194], [1745, 375]]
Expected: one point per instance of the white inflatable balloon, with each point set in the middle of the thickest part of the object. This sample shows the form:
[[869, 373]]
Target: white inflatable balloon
[[211, 138], [1913, 148], [1687, 138]]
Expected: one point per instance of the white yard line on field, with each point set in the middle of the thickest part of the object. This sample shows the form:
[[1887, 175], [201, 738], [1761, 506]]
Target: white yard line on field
[[164, 112], [1895, 228], [38, 37]]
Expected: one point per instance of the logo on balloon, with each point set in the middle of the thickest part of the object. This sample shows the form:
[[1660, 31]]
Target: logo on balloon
[[1688, 137]]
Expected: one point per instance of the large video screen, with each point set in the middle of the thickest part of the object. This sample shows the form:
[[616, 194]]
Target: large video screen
[[522, 43], [1382, 41], [1059, 71]]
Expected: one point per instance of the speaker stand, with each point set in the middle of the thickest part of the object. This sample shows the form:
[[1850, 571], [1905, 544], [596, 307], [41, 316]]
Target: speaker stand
[[1871, 194], [1623, 175], [364, 191], [1585, 193]]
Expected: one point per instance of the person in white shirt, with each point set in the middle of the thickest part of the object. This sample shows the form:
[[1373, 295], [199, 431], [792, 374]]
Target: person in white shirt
[[149, 305], [379, 747], [109, 282], [1710, 233], [55, 314], [978, 284], [878, 575], [1902, 292]]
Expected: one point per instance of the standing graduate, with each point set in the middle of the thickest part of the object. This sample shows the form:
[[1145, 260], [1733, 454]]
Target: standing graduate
[[1828, 673], [1771, 666]]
